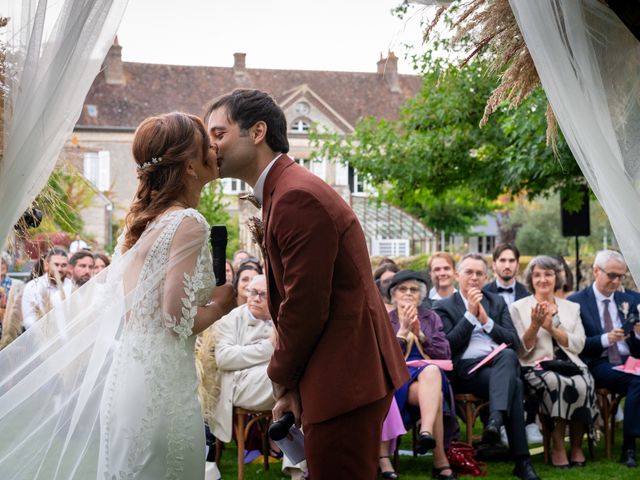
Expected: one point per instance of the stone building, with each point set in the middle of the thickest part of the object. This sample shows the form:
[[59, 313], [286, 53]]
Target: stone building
[[124, 93]]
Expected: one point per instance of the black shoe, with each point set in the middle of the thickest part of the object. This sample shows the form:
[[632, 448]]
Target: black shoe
[[436, 473], [575, 463], [389, 474], [491, 433], [628, 458], [564, 466], [426, 442], [524, 470]]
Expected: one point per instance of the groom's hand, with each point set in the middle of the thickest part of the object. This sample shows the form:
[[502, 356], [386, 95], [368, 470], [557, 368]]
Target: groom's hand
[[289, 402]]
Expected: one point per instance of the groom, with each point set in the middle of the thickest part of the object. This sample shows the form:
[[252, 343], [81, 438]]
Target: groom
[[337, 361]]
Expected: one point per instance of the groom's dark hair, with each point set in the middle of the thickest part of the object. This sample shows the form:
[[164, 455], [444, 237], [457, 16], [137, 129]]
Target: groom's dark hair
[[247, 107]]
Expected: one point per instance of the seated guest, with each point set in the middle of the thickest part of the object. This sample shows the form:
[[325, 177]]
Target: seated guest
[[5, 285], [426, 395], [82, 265], [39, 293], [604, 311], [382, 276], [229, 271], [475, 324], [101, 261], [506, 263], [442, 268], [564, 287], [245, 273], [550, 328], [243, 347], [238, 257], [251, 261]]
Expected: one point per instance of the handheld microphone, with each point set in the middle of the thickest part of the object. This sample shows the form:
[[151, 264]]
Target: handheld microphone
[[280, 428], [218, 239]]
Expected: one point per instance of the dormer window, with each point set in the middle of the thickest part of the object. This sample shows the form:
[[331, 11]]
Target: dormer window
[[300, 126]]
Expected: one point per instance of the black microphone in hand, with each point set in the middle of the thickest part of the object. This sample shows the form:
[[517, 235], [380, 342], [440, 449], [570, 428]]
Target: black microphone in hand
[[280, 428], [218, 239]]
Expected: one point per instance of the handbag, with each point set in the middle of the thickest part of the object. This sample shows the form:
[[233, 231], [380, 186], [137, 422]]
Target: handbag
[[564, 367], [462, 459], [561, 364]]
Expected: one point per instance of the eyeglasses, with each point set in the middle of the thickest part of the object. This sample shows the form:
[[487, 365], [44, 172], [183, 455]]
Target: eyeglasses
[[477, 273], [612, 275], [257, 293], [405, 289]]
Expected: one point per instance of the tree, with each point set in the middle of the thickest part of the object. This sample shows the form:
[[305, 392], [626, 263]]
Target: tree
[[437, 163], [212, 207], [539, 229], [64, 196]]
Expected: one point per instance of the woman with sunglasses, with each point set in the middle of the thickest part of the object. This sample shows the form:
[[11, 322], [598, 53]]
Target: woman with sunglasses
[[426, 396]]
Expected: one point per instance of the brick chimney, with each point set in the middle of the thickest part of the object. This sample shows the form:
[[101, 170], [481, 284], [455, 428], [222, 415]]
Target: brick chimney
[[239, 62], [112, 65], [388, 68]]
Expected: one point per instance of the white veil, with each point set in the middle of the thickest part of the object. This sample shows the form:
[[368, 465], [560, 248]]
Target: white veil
[[54, 51], [52, 377], [589, 65]]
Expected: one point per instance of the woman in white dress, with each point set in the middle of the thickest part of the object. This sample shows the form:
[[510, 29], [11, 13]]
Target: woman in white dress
[[105, 387]]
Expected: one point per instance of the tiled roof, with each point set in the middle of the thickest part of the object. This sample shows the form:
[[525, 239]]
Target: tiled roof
[[150, 89]]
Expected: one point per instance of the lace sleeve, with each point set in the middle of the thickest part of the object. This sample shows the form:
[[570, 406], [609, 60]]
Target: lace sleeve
[[187, 274]]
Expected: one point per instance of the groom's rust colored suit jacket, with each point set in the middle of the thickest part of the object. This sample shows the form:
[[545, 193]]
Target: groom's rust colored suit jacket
[[335, 340]]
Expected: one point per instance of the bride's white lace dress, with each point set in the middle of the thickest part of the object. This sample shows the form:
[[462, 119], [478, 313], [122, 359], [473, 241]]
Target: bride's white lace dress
[[151, 422], [105, 387]]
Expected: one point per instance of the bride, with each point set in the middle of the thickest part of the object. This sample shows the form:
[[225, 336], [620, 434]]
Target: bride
[[104, 386]]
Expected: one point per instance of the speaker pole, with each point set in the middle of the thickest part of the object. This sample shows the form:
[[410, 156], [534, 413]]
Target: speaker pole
[[577, 263]]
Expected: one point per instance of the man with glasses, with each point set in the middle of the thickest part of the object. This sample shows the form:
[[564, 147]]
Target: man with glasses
[[244, 345], [607, 315], [476, 323]]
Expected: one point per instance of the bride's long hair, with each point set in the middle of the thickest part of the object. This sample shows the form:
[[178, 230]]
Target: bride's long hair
[[162, 148]]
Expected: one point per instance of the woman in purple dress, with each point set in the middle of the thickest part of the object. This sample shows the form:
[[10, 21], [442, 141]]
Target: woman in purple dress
[[427, 395]]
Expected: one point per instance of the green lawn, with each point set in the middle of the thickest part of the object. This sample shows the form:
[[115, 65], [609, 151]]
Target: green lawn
[[420, 468]]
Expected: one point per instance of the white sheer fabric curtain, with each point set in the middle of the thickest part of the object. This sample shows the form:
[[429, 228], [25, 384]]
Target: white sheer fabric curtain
[[54, 51], [589, 66]]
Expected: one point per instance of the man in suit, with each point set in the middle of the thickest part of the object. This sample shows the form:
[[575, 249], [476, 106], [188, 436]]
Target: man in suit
[[506, 262], [336, 362], [475, 324], [604, 311]]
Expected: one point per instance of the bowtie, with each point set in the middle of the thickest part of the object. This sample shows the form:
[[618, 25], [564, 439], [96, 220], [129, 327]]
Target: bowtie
[[505, 290]]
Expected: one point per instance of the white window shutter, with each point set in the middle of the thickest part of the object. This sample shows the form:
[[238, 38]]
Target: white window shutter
[[104, 170], [342, 174], [90, 167]]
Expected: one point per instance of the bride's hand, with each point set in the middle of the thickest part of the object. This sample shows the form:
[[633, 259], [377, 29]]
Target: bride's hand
[[224, 297]]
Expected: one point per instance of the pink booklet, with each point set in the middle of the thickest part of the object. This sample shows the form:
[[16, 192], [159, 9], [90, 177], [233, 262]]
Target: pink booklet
[[489, 357], [446, 365], [632, 366]]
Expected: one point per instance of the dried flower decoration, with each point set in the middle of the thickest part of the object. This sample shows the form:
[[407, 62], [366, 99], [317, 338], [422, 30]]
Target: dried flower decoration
[[154, 161]]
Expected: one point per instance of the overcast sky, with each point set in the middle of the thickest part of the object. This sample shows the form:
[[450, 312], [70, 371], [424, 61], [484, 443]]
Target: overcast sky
[[342, 35]]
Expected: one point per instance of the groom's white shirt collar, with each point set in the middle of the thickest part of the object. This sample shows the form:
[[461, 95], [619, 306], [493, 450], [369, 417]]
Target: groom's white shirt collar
[[258, 190]]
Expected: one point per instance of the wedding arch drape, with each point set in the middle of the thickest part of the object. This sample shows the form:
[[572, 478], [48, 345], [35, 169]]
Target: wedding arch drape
[[589, 66], [54, 51]]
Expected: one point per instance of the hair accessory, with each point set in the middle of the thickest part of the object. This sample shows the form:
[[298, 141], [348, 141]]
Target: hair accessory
[[154, 161]]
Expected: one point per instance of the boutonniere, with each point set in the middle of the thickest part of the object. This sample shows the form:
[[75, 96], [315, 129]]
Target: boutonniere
[[624, 308], [256, 228]]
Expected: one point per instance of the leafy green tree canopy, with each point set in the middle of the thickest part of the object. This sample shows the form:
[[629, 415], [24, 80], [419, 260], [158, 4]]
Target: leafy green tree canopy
[[437, 163]]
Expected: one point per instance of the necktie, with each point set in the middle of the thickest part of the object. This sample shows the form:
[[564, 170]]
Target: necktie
[[612, 351], [505, 290]]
